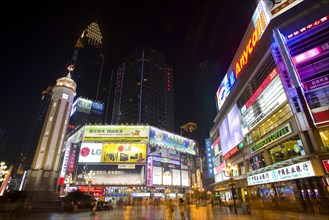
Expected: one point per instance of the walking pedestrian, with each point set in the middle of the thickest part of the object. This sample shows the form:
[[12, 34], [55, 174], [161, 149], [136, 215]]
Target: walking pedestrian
[[94, 207], [170, 209], [182, 208]]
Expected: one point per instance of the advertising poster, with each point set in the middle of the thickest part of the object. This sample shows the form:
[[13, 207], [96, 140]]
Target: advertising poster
[[157, 175], [176, 177], [90, 153], [156, 150], [185, 179], [123, 153], [171, 141], [209, 157], [115, 133], [167, 176]]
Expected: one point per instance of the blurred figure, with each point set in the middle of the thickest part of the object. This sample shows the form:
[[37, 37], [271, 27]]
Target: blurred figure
[[93, 207], [182, 208], [170, 209]]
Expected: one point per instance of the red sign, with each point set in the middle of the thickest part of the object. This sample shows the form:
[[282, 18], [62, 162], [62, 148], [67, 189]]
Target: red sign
[[231, 152], [326, 165]]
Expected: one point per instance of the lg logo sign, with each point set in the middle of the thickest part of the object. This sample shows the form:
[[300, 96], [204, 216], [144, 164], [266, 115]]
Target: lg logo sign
[[86, 151]]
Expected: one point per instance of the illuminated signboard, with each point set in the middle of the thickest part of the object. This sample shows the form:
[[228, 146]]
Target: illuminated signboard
[[157, 175], [166, 160], [90, 152], [74, 107], [260, 21], [124, 153], [230, 131], [308, 27], [278, 134], [84, 105], [115, 133], [209, 157], [171, 141], [267, 98], [163, 152], [176, 177], [296, 171]]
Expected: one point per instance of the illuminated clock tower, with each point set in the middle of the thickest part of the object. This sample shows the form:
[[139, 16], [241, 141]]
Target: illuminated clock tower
[[45, 169]]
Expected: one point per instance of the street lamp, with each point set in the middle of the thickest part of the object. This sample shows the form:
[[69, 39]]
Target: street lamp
[[209, 194], [166, 191], [228, 172], [68, 181], [129, 190], [90, 178], [3, 171]]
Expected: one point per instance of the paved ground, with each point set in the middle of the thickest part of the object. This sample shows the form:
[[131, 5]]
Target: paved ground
[[150, 213]]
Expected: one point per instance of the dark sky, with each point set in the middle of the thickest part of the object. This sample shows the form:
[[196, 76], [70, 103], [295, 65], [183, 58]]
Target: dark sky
[[38, 39]]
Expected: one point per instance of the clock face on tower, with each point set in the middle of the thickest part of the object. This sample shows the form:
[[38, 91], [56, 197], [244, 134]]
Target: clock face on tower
[[65, 96]]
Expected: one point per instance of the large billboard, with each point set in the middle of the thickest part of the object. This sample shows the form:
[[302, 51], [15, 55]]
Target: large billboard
[[185, 178], [123, 153], [171, 141], [163, 152], [116, 133], [230, 131]]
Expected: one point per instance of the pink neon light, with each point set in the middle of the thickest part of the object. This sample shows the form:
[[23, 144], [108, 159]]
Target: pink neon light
[[307, 55]]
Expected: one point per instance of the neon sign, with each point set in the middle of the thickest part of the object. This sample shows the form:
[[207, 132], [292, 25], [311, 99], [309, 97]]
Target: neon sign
[[260, 21]]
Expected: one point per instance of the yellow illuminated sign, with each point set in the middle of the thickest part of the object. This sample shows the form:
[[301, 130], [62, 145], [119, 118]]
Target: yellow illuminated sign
[[124, 153]]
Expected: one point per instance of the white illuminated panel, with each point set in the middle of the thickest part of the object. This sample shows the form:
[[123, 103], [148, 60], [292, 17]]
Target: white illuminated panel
[[157, 175], [185, 181], [176, 177]]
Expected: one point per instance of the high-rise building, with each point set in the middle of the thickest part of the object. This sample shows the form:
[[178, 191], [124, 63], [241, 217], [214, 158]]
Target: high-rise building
[[144, 90], [88, 61], [43, 175]]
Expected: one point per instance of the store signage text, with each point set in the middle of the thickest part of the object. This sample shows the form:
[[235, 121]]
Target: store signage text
[[285, 130], [299, 170], [326, 165], [308, 27], [244, 58]]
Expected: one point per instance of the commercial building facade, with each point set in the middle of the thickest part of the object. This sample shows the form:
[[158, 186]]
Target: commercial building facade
[[128, 162], [273, 110]]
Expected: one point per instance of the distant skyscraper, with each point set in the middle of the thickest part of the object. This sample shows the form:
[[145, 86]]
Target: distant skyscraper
[[43, 175], [88, 60], [33, 132], [144, 90]]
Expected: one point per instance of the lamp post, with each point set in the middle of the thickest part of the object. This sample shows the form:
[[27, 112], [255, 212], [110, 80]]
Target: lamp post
[[89, 179], [129, 190], [68, 181], [166, 193], [228, 172]]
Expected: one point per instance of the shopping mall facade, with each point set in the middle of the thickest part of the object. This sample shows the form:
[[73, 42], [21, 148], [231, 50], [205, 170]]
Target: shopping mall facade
[[272, 124], [131, 162]]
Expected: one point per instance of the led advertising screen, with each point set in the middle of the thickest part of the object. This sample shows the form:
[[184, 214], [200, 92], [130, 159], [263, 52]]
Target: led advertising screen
[[171, 141], [116, 133], [123, 153], [230, 131], [90, 153]]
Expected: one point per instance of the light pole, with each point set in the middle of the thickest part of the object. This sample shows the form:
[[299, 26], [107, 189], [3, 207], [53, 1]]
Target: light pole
[[90, 178], [68, 181], [129, 190], [228, 172]]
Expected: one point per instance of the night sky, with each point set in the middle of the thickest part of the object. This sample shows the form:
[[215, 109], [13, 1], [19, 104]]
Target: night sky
[[38, 39]]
